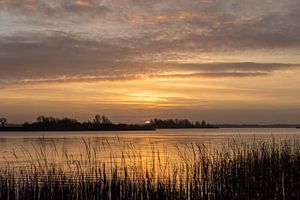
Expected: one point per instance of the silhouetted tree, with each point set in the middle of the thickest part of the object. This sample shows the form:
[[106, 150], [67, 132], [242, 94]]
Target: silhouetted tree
[[105, 120], [97, 119], [203, 123], [3, 121], [40, 119]]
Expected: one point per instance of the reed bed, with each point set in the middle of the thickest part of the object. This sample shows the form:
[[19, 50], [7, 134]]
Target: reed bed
[[256, 170]]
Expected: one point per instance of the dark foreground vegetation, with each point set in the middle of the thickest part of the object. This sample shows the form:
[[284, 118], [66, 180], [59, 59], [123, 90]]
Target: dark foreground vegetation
[[260, 170]]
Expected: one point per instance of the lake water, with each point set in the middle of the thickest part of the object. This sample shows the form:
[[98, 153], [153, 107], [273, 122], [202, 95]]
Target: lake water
[[21, 148]]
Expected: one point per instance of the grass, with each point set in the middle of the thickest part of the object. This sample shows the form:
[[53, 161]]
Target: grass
[[259, 170]]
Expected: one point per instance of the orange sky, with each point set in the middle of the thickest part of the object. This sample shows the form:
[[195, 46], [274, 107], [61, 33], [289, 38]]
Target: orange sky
[[227, 62]]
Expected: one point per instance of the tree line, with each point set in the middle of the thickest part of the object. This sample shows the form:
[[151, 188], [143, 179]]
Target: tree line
[[52, 122], [179, 123], [101, 122], [98, 123]]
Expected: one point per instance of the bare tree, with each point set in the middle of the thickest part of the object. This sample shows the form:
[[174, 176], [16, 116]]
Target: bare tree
[[3, 121], [105, 120], [97, 119]]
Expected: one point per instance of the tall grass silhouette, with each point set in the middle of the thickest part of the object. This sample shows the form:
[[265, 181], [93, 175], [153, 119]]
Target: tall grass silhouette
[[256, 170]]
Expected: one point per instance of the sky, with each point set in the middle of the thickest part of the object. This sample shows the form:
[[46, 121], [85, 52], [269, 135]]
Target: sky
[[225, 61]]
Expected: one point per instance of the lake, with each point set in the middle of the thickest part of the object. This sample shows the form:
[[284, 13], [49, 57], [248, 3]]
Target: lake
[[21, 147]]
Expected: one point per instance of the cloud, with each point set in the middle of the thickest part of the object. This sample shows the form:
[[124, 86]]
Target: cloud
[[61, 53], [210, 75], [223, 26], [130, 77], [196, 26], [54, 8], [75, 48], [60, 57], [237, 67]]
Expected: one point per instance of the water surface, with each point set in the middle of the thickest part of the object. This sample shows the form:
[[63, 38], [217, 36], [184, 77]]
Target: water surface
[[19, 147]]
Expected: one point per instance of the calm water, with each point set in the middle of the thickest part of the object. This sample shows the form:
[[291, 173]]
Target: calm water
[[20, 147]]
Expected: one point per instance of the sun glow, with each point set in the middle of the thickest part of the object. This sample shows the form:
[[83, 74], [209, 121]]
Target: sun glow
[[149, 97]]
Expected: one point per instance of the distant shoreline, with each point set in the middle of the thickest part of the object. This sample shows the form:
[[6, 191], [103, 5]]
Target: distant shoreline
[[293, 126], [22, 129], [103, 123]]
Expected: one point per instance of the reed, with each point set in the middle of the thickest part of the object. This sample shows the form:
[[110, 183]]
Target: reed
[[259, 170]]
